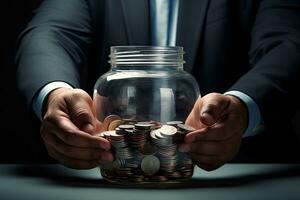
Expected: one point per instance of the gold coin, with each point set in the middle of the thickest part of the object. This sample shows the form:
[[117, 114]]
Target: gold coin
[[114, 124], [108, 120]]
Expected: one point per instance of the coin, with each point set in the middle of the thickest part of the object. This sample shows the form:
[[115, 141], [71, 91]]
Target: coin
[[106, 134], [108, 120], [147, 151], [186, 127], [114, 124], [174, 123], [167, 130], [143, 126], [126, 126], [150, 165]]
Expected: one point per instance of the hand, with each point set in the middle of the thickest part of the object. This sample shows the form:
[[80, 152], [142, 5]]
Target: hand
[[68, 127], [220, 122]]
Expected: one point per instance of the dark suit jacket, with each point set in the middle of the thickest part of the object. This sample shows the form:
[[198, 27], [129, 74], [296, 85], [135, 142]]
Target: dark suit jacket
[[248, 45]]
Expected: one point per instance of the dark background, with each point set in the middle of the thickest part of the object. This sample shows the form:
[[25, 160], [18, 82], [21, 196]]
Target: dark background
[[19, 129], [20, 141]]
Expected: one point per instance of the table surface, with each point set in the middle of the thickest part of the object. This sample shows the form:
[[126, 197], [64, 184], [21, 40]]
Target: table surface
[[232, 181]]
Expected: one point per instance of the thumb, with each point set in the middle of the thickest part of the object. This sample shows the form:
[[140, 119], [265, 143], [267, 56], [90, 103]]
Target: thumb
[[81, 112], [212, 108]]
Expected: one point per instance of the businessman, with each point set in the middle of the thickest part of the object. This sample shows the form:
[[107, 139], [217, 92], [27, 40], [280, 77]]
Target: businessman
[[245, 55]]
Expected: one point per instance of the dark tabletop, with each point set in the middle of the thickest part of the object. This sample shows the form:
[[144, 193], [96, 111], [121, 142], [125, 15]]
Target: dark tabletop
[[232, 181]]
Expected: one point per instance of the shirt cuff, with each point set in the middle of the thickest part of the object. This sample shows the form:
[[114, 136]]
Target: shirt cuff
[[38, 100], [254, 116]]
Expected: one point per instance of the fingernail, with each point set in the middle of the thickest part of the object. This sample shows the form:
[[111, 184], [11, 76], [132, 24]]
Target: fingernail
[[207, 119]]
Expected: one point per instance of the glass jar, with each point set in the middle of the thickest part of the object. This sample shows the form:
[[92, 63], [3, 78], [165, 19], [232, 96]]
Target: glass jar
[[142, 103]]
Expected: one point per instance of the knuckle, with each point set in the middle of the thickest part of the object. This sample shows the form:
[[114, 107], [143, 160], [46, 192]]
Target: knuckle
[[79, 93]]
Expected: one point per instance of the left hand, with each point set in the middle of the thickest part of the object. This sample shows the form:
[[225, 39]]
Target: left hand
[[220, 121]]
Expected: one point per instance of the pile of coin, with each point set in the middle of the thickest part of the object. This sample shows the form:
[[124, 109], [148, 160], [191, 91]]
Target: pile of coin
[[146, 151]]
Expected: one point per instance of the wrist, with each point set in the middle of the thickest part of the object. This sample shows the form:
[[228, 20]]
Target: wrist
[[253, 111], [241, 110]]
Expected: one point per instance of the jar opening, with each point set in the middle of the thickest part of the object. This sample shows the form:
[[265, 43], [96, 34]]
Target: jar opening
[[146, 56]]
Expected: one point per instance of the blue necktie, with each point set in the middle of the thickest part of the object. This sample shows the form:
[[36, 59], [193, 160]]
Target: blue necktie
[[164, 14]]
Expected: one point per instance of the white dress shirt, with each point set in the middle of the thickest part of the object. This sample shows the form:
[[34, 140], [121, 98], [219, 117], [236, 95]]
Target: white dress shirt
[[164, 17]]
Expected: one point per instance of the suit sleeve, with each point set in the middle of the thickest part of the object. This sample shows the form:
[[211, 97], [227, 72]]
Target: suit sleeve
[[54, 46], [274, 79]]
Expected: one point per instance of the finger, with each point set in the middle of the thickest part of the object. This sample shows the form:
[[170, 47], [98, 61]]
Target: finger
[[80, 110], [195, 135], [76, 152], [70, 162], [208, 148], [98, 127], [208, 167], [212, 108], [204, 159], [71, 135], [218, 132], [193, 118]]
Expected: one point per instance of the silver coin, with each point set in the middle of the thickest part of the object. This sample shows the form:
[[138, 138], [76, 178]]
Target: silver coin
[[107, 133], [150, 164], [186, 127], [143, 126], [167, 130], [126, 126], [174, 123]]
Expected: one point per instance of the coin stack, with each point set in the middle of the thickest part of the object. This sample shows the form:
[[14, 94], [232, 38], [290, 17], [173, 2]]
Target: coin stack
[[146, 151]]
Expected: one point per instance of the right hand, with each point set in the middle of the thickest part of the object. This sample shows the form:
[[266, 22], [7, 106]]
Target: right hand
[[68, 129]]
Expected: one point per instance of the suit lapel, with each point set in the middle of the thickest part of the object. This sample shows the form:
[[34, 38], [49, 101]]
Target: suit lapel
[[191, 20], [136, 18]]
